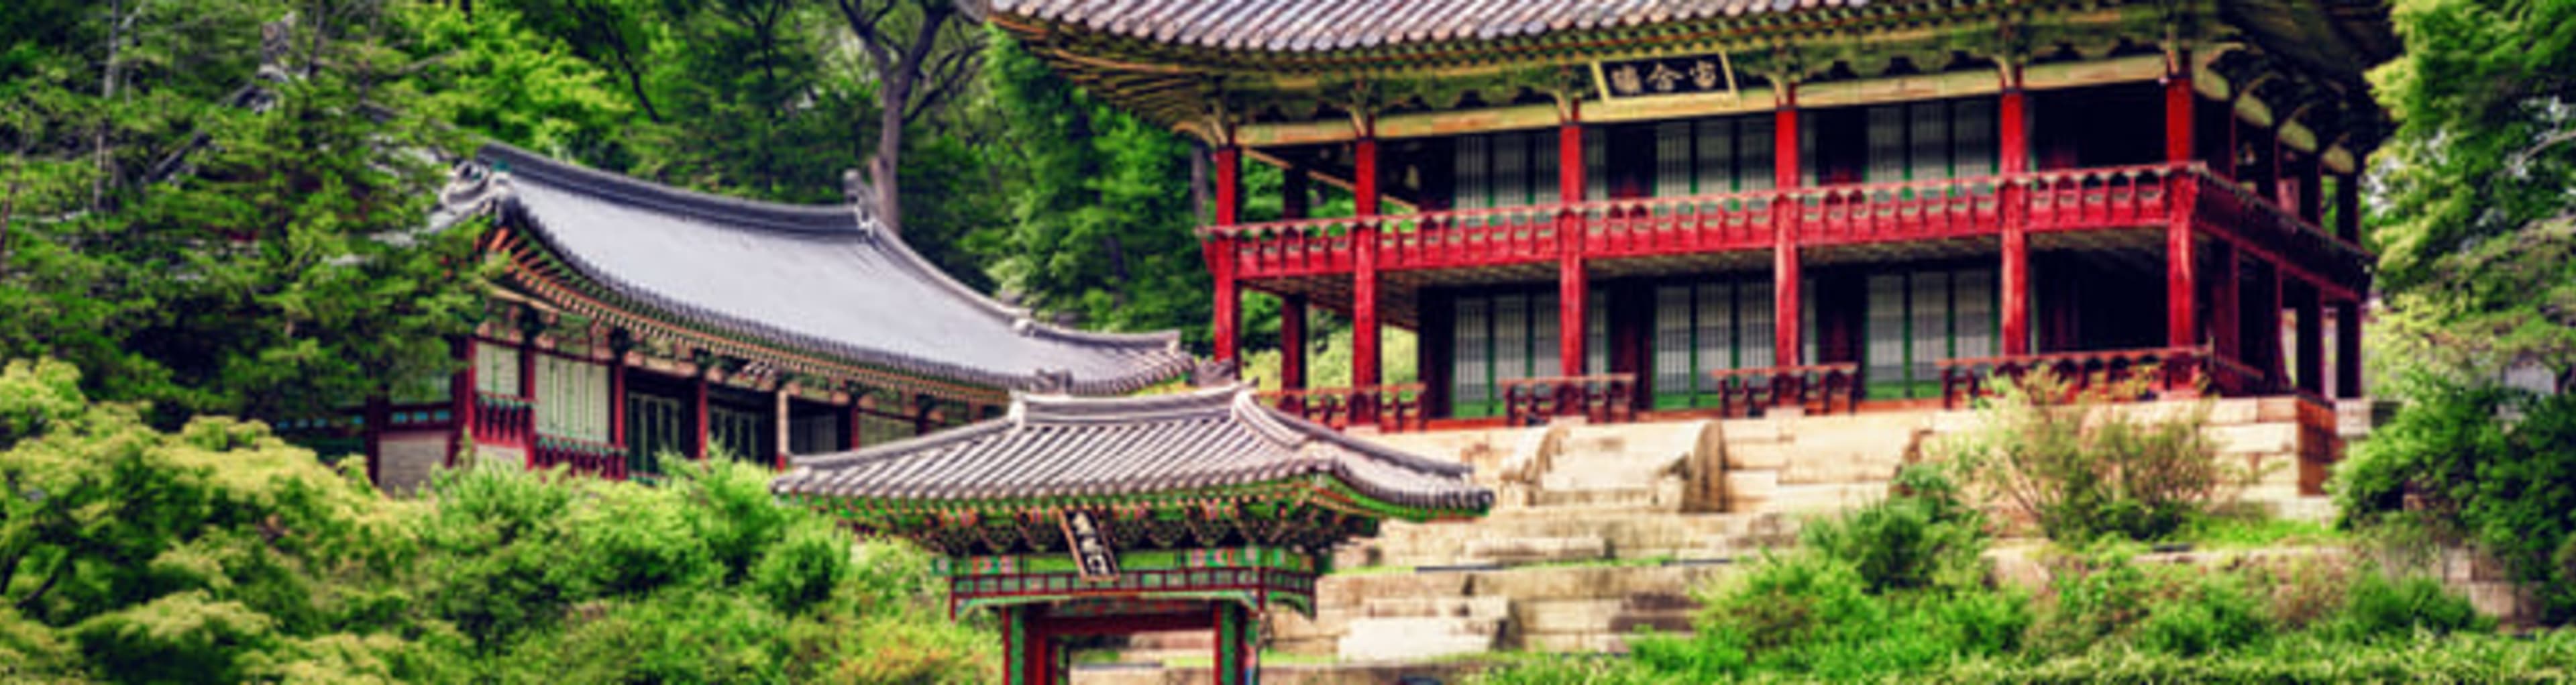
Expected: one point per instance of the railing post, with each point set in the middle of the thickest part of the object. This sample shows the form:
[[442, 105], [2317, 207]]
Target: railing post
[[2016, 201]]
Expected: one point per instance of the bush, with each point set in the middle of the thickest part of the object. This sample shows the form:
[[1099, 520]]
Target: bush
[[2491, 465], [1922, 536], [2377, 606], [2082, 470], [2212, 613]]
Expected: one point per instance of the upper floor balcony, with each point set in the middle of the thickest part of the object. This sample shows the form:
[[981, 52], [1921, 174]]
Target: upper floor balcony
[[2083, 199]]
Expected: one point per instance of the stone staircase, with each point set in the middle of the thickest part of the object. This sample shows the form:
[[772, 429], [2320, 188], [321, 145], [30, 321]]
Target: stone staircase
[[1599, 531]]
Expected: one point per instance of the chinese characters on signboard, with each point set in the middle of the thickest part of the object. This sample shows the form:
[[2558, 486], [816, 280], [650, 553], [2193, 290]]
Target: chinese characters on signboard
[[1090, 546], [1664, 76]]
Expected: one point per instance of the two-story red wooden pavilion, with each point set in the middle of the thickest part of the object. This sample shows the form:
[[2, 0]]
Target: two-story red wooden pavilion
[[1731, 205]]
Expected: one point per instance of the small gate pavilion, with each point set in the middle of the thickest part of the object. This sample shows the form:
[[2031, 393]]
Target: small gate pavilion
[[1114, 516]]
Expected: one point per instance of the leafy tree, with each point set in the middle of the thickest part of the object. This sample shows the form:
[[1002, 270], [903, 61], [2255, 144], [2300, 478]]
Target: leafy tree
[[2477, 231], [259, 251], [2466, 461]]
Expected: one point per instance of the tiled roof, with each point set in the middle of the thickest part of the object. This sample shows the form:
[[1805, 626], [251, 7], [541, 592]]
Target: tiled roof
[[1094, 447], [1333, 25], [827, 279]]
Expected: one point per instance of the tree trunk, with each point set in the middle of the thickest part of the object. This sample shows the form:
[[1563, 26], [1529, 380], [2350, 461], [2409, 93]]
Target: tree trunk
[[107, 95]]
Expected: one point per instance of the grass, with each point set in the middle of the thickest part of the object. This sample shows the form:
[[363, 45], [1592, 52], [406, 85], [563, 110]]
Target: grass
[[2237, 531]]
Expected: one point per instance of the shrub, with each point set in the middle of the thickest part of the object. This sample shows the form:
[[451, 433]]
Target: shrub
[[1921, 536], [2082, 470], [2379, 606], [2212, 612], [2493, 465]]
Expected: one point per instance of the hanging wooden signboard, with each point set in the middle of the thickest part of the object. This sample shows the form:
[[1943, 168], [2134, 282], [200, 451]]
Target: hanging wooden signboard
[[1690, 75], [1089, 542]]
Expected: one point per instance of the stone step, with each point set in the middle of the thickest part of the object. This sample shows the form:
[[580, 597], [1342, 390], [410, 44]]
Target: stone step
[[1553, 495], [1390, 639], [1535, 550], [1492, 608]]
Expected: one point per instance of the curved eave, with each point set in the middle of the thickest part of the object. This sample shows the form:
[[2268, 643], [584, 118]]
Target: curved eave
[[1156, 357]]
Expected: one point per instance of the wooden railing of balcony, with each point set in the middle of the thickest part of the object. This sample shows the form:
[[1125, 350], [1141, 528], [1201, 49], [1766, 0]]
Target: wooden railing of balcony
[[582, 457], [2054, 200], [1391, 408], [504, 420], [2154, 373], [1817, 388], [1602, 398]]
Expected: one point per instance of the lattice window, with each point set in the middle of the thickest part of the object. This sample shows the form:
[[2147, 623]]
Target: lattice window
[[1886, 144], [875, 429], [1883, 358], [813, 434], [1471, 373], [1973, 299], [1755, 325], [1972, 137], [1712, 333], [1673, 365], [1596, 164], [1511, 169], [1596, 332], [655, 426], [1756, 139], [572, 398], [1543, 167], [496, 369], [1931, 331], [741, 434], [1713, 161], [1546, 350], [1511, 337], [1930, 140], [1474, 182], [1673, 159]]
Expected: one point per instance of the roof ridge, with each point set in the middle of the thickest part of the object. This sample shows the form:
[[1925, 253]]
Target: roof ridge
[[720, 210]]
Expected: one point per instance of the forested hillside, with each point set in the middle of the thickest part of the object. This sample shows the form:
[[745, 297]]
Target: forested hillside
[[214, 204]]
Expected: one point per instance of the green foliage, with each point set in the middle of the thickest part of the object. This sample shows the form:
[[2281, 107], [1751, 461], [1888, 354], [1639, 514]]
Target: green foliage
[[1927, 537], [219, 553], [2380, 606], [2084, 469], [2488, 464], [2475, 228]]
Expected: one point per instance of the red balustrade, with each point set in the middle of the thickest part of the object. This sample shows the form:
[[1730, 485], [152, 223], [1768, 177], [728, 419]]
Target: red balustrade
[[1391, 408], [2320, 256], [2151, 373], [1628, 228], [582, 457], [1604, 398], [1817, 388], [1475, 236], [506, 420], [1292, 248], [2112, 197], [1880, 212]]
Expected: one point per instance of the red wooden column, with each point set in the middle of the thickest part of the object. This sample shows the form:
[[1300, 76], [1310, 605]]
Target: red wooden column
[[2015, 153], [2182, 287], [1292, 342], [851, 438], [1221, 257], [1364, 199], [1570, 286], [2270, 300], [1784, 229], [617, 407], [465, 393], [1292, 308], [783, 413], [2311, 339], [527, 430], [2348, 349], [698, 412]]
